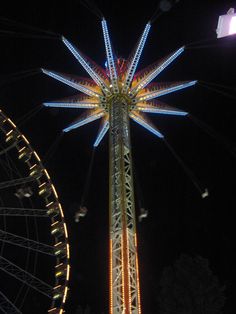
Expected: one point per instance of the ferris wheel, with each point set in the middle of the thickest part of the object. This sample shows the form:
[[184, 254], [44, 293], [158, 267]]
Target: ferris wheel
[[34, 249]]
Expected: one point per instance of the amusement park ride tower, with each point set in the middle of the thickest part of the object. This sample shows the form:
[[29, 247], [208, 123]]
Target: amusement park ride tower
[[115, 95]]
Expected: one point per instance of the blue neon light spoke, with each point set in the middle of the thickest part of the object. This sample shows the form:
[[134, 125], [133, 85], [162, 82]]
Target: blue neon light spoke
[[101, 96], [154, 73], [70, 83], [82, 105], [146, 125], [85, 64], [134, 62], [81, 122], [110, 58], [162, 111], [101, 133], [149, 96]]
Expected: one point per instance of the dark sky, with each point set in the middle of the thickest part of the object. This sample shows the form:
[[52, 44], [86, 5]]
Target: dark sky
[[179, 220]]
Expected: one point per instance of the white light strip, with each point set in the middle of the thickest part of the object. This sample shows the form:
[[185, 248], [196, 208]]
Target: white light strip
[[145, 124], [101, 134], [110, 58], [146, 80], [135, 59], [85, 65], [82, 105], [162, 111], [68, 82], [79, 123], [165, 91]]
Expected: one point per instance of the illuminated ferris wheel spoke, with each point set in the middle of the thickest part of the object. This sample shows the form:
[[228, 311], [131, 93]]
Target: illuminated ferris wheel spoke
[[87, 66], [158, 90], [24, 212], [110, 58], [15, 182], [151, 75], [68, 80], [5, 150], [6, 306], [26, 243], [22, 275], [135, 59]]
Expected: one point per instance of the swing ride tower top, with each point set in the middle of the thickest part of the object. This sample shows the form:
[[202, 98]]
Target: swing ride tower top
[[115, 95]]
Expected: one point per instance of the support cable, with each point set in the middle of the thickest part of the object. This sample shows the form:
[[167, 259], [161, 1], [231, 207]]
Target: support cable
[[232, 88], [140, 197], [92, 7], [30, 114], [52, 149], [88, 179], [227, 144], [157, 13], [208, 43], [205, 47], [187, 170], [206, 85], [194, 44], [10, 22], [4, 33], [18, 75], [163, 7]]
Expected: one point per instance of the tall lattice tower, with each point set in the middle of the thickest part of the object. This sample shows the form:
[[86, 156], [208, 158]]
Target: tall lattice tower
[[116, 94]]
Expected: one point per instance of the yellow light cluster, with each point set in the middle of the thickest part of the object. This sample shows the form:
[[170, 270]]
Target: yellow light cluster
[[36, 171], [24, 154], [56, 227], [59, 248]]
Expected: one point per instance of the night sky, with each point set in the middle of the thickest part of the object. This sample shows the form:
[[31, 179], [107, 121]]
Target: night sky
[[179, 220]]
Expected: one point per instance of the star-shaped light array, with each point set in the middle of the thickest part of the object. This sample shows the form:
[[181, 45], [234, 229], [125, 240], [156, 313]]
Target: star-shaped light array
[[118, 80]]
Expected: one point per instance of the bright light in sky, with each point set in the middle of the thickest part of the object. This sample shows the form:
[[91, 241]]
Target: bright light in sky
[[226, 24], [232, 26]]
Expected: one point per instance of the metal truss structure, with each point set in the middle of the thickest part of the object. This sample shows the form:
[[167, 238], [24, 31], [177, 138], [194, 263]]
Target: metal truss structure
[[26, 243], [7, 306], [117, 94], [26, 184], [20, 274]]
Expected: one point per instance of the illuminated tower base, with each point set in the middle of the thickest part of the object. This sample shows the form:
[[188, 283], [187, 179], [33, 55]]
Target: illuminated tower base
[[124, 281]]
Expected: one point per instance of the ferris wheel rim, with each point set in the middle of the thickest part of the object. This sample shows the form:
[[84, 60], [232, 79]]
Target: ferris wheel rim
[[52, 203]]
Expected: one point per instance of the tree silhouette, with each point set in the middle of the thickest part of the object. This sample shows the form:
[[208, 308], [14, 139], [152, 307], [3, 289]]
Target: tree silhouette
[[80, 310], [189, 287]]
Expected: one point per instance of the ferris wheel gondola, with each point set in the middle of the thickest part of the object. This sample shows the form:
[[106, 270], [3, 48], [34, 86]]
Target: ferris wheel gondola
[[34, 248]]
